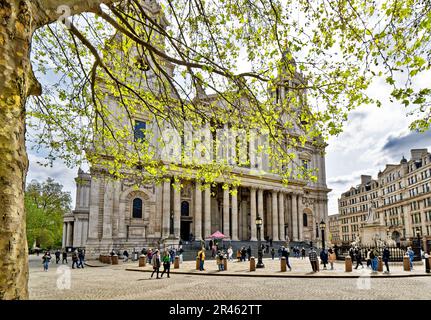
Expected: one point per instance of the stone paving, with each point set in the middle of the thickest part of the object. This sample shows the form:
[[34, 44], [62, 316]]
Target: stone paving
[[114, 282]]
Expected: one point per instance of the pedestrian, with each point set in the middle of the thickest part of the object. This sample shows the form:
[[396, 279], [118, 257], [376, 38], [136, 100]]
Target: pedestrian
[[125, 255], [64, 256], [270, 242], [75, 260], [219, 260], [230, 253], [285, 253], [272, 253], [181, 251], [279, 251], [155, 261], [45, 260], [332, 257], [368, 258], [249, 253], [312, 255], [149, 255], [358, 258], [385, 258], [173, 253], [411, 255], [303, 252], [57, 256], [324, 257], [243, 253], [166, 264], [374, 260], [352, 254], [201, 256], [81, 259]]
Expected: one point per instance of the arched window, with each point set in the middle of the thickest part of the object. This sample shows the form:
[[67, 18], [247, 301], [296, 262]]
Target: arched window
[[184, 208], [137, 208], [304, 220]]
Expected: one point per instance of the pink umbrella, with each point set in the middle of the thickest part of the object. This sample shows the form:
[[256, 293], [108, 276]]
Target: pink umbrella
[[217, 235]]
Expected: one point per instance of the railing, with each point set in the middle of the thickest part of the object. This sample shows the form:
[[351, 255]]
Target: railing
[[396, 254]]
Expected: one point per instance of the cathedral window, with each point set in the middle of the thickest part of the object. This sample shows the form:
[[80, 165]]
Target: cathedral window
[[139, 130], [304, 220], [137, 208]]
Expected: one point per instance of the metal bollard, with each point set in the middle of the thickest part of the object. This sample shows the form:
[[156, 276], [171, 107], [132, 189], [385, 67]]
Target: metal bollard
[[427, 263], [177, 263], [225, 264], [100, 258], [348, 264], [114, 259], [197, 263], [142, 260], [252, 264], [406, 263], [283, 264]]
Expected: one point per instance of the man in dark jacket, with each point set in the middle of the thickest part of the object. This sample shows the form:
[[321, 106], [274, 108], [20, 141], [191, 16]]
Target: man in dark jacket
[[324, 258], [358, 257], [249, 253], [313, 259], [385, 258], [57, 256], [64, 255]]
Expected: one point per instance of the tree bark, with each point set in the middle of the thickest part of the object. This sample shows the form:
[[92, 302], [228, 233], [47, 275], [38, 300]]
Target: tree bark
[[18, 20]]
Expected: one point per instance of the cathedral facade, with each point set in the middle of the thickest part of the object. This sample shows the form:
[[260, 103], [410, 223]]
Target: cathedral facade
[[115, 214]]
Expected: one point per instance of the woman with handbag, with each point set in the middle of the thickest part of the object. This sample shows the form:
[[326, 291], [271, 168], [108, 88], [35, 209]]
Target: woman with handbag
[[155, 261]]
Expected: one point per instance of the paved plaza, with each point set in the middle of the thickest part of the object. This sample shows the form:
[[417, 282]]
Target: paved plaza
[[115, 282]]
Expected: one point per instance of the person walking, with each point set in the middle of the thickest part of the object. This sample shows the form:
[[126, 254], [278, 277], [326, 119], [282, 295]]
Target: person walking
[[272, 253], [155, 261], [303, 252], [243, 253], [201, 256], [45, 260], [324, 257], [75, 260], [368, 256], [249, 253], [332, 257], [385, 258], [64, 256], [411, 255], [313, 259], [166, 264], [57, 256], [81, 259], [374, 260], [230, 254], [285, 253], [358, 258], [180, 252]]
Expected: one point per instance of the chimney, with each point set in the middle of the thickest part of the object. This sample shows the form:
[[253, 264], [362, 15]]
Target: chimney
[[418, 153], [365, 179]]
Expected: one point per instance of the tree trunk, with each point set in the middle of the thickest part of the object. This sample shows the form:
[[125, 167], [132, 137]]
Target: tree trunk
[[18, 20], [16, 84]]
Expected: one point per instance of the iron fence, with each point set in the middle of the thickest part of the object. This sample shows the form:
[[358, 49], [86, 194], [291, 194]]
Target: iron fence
[[396, 254]]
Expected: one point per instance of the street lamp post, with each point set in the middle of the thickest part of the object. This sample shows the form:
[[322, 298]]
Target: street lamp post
[[171, 231], [259, 248], [418, 234], [322, 228]]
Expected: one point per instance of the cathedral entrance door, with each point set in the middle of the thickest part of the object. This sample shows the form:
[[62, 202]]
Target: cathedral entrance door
[[185, 230]]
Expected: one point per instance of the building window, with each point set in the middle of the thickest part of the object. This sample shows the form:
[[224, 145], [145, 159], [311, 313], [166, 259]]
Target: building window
[[139, 130], [304, 220], [137, 208]]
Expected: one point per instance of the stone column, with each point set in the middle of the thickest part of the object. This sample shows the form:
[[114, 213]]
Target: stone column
[[235, 215], [275, 216], [281, 215], [166, 209], [318, 214], [253, 235], [198, 211], [300, 220], [63, 243], [226, 230], [260, 211], [207, 205], [294, 217], [107, 210], [177, 211], [69, 235], [93, 219]]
